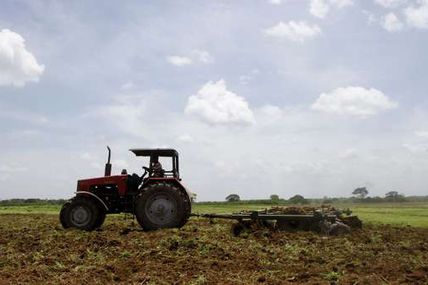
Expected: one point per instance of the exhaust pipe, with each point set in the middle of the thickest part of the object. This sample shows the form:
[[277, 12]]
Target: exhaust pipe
[[107, 170]]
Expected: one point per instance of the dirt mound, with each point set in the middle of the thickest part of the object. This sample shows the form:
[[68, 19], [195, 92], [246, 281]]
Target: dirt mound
[[35, 249]]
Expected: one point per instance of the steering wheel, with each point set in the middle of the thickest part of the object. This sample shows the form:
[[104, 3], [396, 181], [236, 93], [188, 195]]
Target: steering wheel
[[146, 170]]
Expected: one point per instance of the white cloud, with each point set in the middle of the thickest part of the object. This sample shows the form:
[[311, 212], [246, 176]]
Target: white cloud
[[390, 3], [128, 86], [356, 101], [371, 18], [203, 56], [418, 16], [294, 31], [246, 78], [320, 8], [179, 60], [391, 23], [11, 168], [348, 154], [8, 113], [186, 138], [215, 104], [4, 177], [195, 56], [417, 143], [120, 163], [275, 2], [7, 171], [96, 165], [270, 113], [86, 156], [17, 65], [341, 3], [125, 113], [422, 134]]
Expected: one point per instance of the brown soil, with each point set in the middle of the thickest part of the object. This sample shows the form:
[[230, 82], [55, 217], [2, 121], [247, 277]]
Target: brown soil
[[35, 249]]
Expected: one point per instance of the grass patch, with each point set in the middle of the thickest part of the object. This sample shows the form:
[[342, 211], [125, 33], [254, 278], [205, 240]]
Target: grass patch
[[408, 213], [30, 209]]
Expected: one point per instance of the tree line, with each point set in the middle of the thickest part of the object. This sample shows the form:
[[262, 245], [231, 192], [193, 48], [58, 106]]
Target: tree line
[[360, 194], [32, 201]]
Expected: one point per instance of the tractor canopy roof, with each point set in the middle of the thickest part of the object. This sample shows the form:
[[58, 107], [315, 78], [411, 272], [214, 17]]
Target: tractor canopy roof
[[168, 152]]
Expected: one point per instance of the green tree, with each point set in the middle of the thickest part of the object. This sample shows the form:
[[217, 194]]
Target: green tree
[[233, 198], [394, 196], [298, 199], [274, 197], [361, 192], [391, 194]]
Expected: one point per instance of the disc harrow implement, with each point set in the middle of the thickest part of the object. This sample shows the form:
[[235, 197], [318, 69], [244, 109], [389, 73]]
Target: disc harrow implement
[[324, 220]]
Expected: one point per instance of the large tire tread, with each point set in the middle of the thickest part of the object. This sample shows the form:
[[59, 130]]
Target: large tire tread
[[62, 213], [66, 211], [187, 208], [101, 217], [183, 201]]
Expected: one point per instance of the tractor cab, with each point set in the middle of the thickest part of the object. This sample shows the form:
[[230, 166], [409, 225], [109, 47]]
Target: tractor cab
[[163, 163]]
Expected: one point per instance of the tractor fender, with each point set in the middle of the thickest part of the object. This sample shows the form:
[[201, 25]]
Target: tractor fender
[[173, 181], [93, 195]]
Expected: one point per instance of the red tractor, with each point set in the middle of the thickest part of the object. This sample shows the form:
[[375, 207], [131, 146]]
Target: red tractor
[[157, 198]]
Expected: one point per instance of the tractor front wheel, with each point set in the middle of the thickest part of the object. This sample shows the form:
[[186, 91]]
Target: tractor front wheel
[[162, 205], [81, 213], [101, 218], [62, 214]]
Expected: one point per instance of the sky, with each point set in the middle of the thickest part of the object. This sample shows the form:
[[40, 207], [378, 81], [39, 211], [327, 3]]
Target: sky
[[261, 97]]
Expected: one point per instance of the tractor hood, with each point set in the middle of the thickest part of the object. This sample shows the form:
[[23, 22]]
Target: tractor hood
[[85, 184]]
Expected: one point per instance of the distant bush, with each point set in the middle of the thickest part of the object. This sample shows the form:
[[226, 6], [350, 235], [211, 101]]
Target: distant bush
[[416, 199], [298, 199], [274, 198], [31, 201], [394, 196], [233, 198], [325, 200], [247, 202], [361, 192], [281, 202]]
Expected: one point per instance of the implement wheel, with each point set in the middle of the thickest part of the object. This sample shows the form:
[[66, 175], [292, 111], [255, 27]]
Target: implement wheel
[[162, 205]]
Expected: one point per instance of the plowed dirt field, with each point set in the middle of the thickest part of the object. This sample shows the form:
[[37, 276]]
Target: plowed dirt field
[[35, 249]]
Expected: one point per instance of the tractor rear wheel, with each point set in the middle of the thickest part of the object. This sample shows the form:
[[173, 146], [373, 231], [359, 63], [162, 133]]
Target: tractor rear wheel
[[162, 205], [81, 213]]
